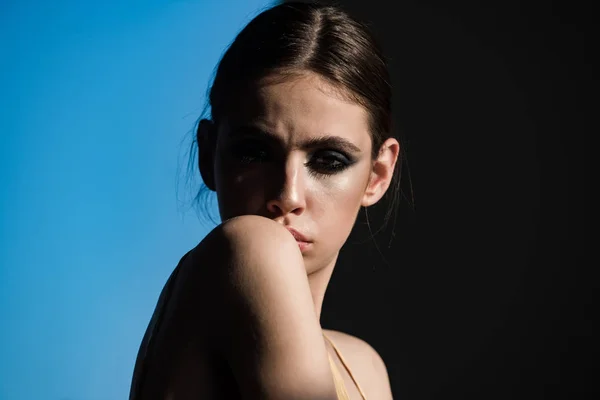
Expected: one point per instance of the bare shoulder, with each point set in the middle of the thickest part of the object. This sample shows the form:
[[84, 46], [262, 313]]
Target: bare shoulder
[[366, 364]]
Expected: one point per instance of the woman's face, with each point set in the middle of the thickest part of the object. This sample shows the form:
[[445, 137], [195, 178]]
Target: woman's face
[[298, 153]]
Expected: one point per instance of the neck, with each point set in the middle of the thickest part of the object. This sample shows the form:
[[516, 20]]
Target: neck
[[318, 282]]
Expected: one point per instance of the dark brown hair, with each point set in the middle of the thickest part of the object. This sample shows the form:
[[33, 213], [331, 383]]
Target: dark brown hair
[[296, 37]]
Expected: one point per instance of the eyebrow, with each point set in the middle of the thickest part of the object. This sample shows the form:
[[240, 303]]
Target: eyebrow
[[309, 144]]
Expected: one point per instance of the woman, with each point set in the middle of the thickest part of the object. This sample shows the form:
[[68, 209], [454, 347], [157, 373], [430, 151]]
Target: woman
[[299, 138]]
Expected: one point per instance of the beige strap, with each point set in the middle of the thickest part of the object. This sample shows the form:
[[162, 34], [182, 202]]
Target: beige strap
[[338, 380]]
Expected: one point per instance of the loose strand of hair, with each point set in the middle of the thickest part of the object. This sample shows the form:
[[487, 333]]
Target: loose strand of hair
[[374, 241]]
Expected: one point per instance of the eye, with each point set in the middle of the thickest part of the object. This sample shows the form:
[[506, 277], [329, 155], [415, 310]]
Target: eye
[[329, 162], [250, 151]]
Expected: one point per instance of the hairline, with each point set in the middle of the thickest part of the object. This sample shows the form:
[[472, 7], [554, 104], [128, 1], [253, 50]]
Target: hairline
[[327, 85]]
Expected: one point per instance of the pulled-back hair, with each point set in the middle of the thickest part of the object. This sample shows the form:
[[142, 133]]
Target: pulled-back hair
[[298, 37]]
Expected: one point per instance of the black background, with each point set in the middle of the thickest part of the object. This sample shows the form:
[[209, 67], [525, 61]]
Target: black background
[[483, 292]]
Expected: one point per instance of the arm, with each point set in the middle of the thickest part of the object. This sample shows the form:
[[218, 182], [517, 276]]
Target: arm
[[385, 389], [264, 316], [379, 386]]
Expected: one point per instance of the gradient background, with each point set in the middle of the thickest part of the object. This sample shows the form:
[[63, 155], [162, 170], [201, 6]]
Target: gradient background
[[486, 299], [98, 100]]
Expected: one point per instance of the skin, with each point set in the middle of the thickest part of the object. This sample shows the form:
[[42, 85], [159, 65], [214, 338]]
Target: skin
[[274, 178], [259, 293], [261, 156]]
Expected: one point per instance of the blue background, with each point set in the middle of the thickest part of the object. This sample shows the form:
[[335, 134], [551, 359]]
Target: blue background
[[97, 106]]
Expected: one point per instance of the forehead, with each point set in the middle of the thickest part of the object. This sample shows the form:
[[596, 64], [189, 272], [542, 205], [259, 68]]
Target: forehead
[[301, 107]]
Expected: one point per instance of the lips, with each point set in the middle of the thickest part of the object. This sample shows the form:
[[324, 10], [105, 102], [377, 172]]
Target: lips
[[297, 235], [303, 241]]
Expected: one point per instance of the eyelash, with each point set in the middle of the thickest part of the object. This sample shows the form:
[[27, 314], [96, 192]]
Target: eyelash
[[335, 162], [324, 162]]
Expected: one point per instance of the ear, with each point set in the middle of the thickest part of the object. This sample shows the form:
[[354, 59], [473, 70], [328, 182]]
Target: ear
[[206, 137], [382, 172]]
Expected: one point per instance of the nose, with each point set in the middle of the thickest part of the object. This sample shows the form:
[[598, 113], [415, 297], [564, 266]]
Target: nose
[[288, 191]]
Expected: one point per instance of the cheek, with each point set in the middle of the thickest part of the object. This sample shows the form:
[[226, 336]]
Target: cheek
[[238, 192], [347, 189], [336, 204]]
